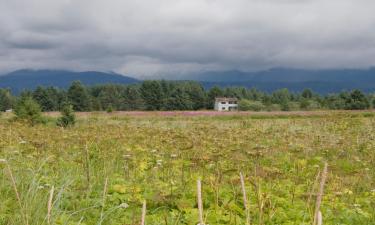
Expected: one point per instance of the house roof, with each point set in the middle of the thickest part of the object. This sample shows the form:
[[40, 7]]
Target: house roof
[[224, 99]]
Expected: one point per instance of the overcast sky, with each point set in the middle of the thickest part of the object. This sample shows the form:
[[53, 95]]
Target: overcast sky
[[155, 37]]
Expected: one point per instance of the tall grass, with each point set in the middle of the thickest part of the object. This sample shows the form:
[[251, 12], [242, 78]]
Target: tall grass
[[77, 176]]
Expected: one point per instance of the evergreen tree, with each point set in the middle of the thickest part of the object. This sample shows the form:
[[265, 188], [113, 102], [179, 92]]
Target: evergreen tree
[[356, 100], [197, 95], [79, 98], [110, 97], [152, 94], [181, 95], [254, 94], [47, 98], [307, 93], [132, 99], [27, 109], [334, 101], [282, 98], [6, 100], [67, 116], [179, 100], [213, 93]]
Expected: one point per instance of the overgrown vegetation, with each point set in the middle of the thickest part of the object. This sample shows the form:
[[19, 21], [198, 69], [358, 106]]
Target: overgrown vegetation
[[173, 95], [101, 170]]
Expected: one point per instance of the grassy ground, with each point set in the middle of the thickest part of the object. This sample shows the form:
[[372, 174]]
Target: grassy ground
[[103, 168]]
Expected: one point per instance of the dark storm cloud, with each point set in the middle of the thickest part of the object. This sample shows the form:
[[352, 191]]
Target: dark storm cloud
[[153, 37]]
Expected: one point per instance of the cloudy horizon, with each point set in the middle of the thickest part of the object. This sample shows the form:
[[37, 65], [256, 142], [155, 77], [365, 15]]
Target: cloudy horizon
[[166, 37]]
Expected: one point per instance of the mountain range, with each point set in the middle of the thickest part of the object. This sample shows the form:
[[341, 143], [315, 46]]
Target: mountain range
[[321, 81], [29, 79]]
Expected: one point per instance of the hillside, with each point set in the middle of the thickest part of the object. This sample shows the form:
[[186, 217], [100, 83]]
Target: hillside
[[29, 79], [321, 81]]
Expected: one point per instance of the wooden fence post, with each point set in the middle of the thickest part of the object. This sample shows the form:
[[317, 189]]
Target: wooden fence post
[[143, 220], [320, 194], [245, 199], [199, 199]]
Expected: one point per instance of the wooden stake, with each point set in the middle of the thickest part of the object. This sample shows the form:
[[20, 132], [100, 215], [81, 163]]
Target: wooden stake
[[199, 199], [320, 193], [320, 218], [245, 199], [49, 206], [143, 220]]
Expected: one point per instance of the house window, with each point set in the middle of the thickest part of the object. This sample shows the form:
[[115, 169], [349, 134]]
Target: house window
[[223, 108], [223, 103]]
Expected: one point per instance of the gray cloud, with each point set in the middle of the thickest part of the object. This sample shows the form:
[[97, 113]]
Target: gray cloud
[[155, 37]]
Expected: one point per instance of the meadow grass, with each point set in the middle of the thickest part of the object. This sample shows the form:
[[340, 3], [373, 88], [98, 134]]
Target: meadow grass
[[103, 170]]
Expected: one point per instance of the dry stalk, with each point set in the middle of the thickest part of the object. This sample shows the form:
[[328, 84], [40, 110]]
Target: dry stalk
[[143, 219], [87, 166], [49, 206], [260, 202], [199, 199], [310, 195], [320, 193], [245, 199], [103, 199], [14, 185]]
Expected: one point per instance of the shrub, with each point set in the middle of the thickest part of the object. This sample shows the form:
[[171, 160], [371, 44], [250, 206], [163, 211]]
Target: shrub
[[307, 104], [27, 109], [6, 100], [273, 107], [293, 106], [67, 117], [285, 106], [246, 105], [109, 109], [356, 100]]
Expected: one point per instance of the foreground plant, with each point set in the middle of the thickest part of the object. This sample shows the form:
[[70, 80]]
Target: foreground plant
[[28, 110], [67, 116]]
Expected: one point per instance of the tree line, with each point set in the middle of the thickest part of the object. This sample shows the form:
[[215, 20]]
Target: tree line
[[180, 95]]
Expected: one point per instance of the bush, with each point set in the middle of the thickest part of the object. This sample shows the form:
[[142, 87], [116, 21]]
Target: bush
[[109, 109], [246, 105], [289, 106], [307, 104], [28, 110], [67, 117], [285, 106], [293, 106], [273, 107], [356, 101]]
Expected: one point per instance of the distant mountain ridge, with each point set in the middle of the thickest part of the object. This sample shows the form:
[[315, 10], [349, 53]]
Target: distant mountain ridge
[[30, 79], [321, 81], [287, 75]]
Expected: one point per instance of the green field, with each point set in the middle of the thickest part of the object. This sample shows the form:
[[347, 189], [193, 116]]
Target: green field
[[106, 166]]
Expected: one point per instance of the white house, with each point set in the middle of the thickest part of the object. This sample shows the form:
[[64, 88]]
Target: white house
[[226, 104]]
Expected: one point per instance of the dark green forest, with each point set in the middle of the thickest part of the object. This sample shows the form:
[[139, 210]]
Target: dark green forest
[[181, 95]]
